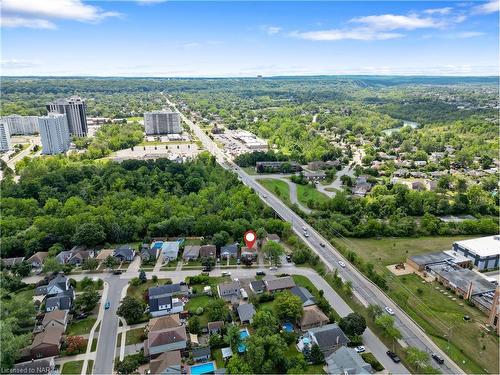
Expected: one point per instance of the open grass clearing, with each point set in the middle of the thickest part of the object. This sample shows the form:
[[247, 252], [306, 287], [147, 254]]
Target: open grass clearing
[[72, 367], [307, 193], [134, 336], [277, 187]]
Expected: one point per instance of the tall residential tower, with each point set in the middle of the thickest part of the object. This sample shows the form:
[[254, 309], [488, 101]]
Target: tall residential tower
[[76, 114], [4, 136], [162, 122], [22, 125], [54, 133]]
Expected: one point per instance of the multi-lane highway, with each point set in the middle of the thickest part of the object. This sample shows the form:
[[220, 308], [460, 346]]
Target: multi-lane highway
[[364, 289]]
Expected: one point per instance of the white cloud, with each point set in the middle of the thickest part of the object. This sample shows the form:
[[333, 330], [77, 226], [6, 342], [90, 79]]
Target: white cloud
[[445, 10], [352, 34], [32, 23], [393, 22], [491, 6], [18, 64], [469, 34], [36, 13], [273, 30]]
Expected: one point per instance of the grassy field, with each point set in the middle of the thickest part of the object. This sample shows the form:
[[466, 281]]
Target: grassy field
[[72, 367], [475, 350], [306, 193], [250, 170], [394, 250], [196, 302], [134, 336], [138, 291], [277, 187], [81, 327]]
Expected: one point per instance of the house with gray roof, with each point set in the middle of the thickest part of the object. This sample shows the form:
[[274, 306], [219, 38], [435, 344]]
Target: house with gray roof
[[305, 296], [170, 250], [246, 311], [329, 338], [36, 366], [10, 262], [163, 300], [149, 253], [229, 251], [346, 361], [36, 260], [257, 286], [124, 253], [191, 252], [201, 354], [64, 256], [61, 301], [209, 251], [229, 291], [280, 283]]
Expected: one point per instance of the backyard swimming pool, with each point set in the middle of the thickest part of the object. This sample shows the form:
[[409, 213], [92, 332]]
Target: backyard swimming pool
[[288, 327], [243, 335], [204, 368]]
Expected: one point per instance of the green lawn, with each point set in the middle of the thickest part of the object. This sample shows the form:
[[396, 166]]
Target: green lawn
[[217, 357], [138, 291], [277, 187], [72, 367], [90, 366], [436, 312], [134, 336], [394, 250], [249, 170], [306, 283], [306, 193], [94, 345], [81, 327], [194, 303], [119, 340]]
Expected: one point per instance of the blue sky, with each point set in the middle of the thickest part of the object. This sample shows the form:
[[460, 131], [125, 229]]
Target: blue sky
[[169, 38]]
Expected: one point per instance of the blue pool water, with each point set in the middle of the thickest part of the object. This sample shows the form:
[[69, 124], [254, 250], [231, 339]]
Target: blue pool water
[[288, 327], [243, 335], [204, 368], [157, 245]]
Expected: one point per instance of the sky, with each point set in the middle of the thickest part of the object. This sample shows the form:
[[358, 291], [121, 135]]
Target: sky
[[220, 39]]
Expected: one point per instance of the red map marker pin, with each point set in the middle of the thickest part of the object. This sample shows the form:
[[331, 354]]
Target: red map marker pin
[[250, 237]]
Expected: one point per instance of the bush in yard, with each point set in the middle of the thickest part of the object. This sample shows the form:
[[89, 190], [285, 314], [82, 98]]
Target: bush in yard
[[130, 363], [199, 311], [135, 282], [356, 340], [370, 358], [194, 325], [75, 344], [87, 301], [131, 309], [317, 356], [353, 324], [154, 278], [216, 341]]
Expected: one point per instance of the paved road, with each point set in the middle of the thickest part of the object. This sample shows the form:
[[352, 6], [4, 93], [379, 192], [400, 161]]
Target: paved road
[[363, 288], [108, 330]]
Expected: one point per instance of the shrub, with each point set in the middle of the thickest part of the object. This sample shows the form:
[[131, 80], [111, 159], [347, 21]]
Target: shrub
[[370, 358]]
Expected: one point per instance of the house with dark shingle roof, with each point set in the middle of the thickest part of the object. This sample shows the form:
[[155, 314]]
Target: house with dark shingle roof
[[149, 253], [215, 327], [124, 253], [209, 251], [305, 296], [229, 251], [347, 361], [257, 286], [162, 300], [201, 354], [229, 291], [10, 262], [165, 340], [61, 301], [328, 337]]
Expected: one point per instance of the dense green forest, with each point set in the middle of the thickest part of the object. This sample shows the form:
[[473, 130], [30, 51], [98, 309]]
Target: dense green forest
[[60, 202]]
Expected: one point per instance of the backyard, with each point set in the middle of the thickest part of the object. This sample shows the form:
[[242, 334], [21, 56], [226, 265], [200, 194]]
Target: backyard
[[72, 367], [81, 327]]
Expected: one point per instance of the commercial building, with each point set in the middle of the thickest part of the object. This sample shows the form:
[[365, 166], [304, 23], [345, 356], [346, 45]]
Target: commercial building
[[54, 133], [22, 125], [4, 136], [484, 252], [76, 114], [162, 122]]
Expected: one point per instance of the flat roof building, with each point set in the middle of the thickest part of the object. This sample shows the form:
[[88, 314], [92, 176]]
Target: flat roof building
[[162, 122], [76, 114], [54, 133], [484, 252]]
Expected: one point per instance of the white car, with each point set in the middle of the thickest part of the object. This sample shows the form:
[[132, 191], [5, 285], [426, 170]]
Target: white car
[[359, 349], [304, 229], [341, 264], [389, 310], [306, 235], [273, 268], [264, 196], [225, 273]]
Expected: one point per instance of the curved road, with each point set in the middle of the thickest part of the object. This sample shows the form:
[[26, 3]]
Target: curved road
[[364, 289]]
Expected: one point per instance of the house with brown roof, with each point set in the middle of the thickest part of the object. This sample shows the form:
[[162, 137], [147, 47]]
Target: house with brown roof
[[209, 251], [280, 283], [164, 322], [312, 317], [215, 327], [55, 317], [36, 260], [165, 340], [47, 342], [166, 363]]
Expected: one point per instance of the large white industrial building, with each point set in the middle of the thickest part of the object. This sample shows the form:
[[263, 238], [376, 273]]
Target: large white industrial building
[[484, 252]]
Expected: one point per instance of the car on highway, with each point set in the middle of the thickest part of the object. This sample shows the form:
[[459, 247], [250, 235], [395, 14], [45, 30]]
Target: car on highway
[[304, 229], [273, 268], [260, 273], [288, 258], [389, 311], [393, 356], [360, 349], [322, 244], [306, 235], [341, 264], [437, 358], [117, 272], [226, 273], [264, 196], [106, 305]]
